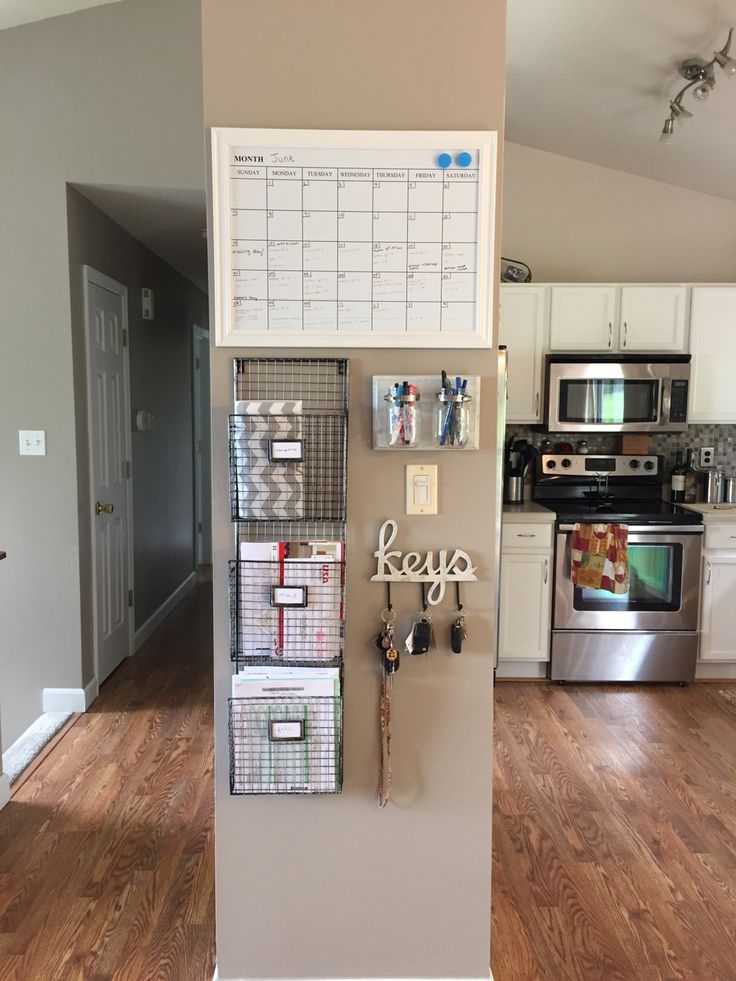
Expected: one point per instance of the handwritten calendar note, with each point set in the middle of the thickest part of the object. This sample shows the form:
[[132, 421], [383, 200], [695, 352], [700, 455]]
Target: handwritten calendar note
[[379, 244]]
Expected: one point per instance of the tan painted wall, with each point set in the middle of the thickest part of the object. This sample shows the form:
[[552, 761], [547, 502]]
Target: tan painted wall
[[332, 887], [578, 222]]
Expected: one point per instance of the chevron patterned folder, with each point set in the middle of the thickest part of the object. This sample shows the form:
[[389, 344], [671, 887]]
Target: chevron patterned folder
[[266, 490]]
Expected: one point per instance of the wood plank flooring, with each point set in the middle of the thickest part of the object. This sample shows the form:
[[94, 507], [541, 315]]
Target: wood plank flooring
[[614, 833], [106, 850]]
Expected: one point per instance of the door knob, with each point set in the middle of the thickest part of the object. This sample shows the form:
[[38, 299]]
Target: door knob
[[101, 508]]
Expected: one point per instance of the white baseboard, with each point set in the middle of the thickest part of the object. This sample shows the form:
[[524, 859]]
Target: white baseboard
[[715, 671], [158, 616], [70, 699], [4, 790], [216, 977], [521, 669]]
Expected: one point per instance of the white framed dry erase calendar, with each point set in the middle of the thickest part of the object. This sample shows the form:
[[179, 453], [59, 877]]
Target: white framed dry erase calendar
[[339, 238]]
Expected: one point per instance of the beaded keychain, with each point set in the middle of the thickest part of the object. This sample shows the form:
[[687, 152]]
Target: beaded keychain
[[390, 662]]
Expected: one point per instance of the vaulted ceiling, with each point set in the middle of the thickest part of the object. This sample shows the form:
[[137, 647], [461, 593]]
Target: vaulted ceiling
[[592, 80], [16, 12]]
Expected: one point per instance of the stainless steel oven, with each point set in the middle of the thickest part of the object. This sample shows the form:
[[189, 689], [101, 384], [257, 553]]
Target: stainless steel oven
[[664, 584], [649, 633], [617, 393]]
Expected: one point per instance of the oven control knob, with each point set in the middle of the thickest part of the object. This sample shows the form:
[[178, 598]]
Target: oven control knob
[[551, 464], [634, 464], [566, 463], [649, 465]]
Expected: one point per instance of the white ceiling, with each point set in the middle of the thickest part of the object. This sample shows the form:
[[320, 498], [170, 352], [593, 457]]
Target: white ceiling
[[167, 220], [15, 12], [591, 79]]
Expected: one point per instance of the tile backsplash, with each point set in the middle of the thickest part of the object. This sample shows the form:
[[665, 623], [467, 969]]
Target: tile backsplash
[[723, 438]]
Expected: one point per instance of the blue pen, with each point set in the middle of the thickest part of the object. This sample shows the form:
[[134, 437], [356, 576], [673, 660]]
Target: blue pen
[[448, 417]]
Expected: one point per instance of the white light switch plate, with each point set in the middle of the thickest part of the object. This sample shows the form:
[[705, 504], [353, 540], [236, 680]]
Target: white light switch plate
[[32, 442], [421, 488]]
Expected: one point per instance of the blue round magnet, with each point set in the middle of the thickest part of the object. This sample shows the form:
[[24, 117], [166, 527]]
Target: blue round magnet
[[444, 160], [463, 159]]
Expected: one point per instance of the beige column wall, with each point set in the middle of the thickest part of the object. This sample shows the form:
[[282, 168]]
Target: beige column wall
[[331, 887]]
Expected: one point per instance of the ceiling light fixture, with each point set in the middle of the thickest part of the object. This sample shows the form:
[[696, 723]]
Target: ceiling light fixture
[[701, 78]]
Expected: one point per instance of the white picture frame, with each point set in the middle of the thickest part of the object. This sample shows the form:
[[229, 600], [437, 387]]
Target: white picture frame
[[275, 148]]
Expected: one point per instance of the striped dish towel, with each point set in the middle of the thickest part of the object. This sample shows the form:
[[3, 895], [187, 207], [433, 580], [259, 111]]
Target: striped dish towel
[[599, 557]]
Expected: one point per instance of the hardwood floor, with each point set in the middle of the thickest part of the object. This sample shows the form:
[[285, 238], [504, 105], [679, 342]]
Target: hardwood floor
[[614, 833], [106, 850]]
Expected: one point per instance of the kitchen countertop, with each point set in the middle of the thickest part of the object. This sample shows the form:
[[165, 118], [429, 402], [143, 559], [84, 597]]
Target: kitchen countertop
[[713, 512], [529, 511]]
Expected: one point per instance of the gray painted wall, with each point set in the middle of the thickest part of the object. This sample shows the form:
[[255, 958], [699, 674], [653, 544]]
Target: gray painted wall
[[333, 887], [110, 95], [161, 382]]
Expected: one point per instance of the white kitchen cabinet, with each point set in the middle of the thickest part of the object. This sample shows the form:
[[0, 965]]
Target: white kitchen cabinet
[[653, 318], [526, 603], [526, 589], [713, 348], [610, 318], [718, 607], [583, 318], [523, 329]]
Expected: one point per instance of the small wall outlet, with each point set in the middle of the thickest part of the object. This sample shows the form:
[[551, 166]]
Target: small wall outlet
[[32, 442], [707, 456]]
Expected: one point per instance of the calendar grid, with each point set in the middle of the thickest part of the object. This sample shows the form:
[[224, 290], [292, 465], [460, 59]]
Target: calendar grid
[[305, 274]]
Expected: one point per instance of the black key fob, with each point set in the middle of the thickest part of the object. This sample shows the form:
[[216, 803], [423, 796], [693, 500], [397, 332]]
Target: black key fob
[[421, 637], [456, 638]]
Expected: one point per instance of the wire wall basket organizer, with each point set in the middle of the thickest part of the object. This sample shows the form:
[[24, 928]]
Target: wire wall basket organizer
[[320, 384], [287, 612], [285, 745], [287, 467]]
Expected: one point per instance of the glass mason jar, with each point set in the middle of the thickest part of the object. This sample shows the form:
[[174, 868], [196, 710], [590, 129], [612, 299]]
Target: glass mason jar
[[452, 419], [403, 429]]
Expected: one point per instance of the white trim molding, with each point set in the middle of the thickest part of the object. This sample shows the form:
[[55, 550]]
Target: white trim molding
[[158, 616], [70, 699], [4, 790]]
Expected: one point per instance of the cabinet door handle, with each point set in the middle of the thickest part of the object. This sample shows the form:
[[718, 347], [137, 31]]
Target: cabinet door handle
[[546, 571], [710, 569], [536, 405], [626, 332], [530, 535], [610, 333]]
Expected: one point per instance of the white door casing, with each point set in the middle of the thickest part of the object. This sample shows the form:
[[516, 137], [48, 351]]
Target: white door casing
[[108, 408]]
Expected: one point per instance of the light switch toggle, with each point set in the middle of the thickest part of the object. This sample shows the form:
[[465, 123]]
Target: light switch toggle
[[421, 488]]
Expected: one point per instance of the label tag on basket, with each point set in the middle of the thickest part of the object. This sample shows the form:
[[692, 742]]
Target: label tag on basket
[[289, 596], [286, 730], [285, 451]]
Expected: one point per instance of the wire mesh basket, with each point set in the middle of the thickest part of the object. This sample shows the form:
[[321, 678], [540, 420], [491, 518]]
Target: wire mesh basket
[[320, 384], [288, 467], [285, 745], [288, 611]]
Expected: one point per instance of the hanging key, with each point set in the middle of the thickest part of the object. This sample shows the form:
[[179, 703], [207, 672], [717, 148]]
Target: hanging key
[[458, 632], [391, 660]]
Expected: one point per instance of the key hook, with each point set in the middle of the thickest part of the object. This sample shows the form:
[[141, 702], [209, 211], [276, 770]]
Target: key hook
[[457, 594], [424, 597]]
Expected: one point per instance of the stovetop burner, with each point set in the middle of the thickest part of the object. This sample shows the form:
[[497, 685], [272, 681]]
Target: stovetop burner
[[617, 489], [631, 512]]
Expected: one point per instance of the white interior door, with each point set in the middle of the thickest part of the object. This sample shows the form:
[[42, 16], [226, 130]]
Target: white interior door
[[202, 492], [108, 395]]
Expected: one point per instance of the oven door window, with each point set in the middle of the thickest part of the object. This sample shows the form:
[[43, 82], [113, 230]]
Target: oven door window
[[608, 401], [655, 582]]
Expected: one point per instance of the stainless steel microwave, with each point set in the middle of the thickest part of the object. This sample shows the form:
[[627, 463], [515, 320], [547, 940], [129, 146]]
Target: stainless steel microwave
[[612, 393]]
